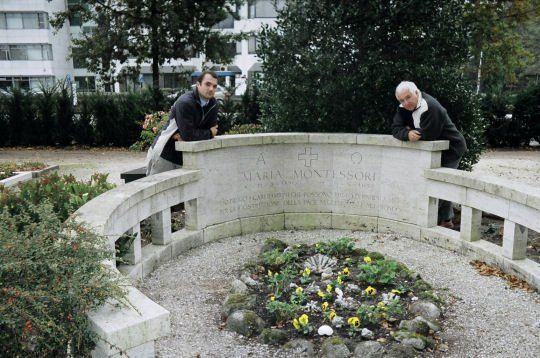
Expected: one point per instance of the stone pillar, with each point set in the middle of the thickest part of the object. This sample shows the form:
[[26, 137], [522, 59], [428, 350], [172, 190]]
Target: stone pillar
[[471, 221], [134, 255], [191, 215], [515, 240], [161, 227]]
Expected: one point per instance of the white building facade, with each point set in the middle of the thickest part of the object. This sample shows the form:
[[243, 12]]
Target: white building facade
[[33, 54]]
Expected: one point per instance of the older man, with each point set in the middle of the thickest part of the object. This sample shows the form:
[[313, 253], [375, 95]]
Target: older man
[[193, 117], [421, 117]]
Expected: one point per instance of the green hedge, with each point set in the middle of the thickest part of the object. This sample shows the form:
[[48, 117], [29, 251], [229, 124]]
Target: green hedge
[[49, 118], [513, 119]]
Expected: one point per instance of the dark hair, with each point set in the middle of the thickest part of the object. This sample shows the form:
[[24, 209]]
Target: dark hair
[[204, 73]]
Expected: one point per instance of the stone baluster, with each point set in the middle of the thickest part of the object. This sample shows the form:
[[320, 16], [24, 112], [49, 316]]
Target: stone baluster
[[134, 255], [515, 240], [161, 227], [471, 221]]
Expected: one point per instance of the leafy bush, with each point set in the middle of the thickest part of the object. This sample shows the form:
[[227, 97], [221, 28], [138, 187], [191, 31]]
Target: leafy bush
[[152, 125], [65, 194], [245, 129], [527, 112], [341, 247], [380, 272], [51, 276], [336, 71]]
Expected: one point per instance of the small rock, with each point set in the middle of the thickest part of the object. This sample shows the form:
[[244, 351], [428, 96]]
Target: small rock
[[366, 333], [325, 330], [425, 309], [369, 349], [401, 351], [415, 326], [432, 325], [300, 348], [416, 343], [245, 322], [249, 281], [237, 302], [238, 286], [334, 347], [443, 347], [273, 336]]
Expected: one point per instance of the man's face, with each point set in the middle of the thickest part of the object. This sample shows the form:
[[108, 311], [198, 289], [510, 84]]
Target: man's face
[[408, 99], [207, 87]]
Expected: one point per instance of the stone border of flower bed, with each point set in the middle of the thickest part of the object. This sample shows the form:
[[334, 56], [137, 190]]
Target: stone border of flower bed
[[25, 176]]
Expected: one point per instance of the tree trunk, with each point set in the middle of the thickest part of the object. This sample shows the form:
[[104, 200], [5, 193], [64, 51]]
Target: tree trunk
[[154, 50]]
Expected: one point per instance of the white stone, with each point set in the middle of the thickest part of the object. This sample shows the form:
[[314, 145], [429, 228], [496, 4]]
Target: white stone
[[366, 333], [325, 330]]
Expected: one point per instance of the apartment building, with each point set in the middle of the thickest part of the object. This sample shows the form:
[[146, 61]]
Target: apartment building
[[33, 54], [30, 53]]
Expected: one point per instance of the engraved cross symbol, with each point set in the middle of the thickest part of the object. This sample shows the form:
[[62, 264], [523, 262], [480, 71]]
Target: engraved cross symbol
[[307, 157]]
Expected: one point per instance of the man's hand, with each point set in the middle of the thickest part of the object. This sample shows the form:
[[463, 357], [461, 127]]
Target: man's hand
[[214, 130], [177, 137], [414, 135]]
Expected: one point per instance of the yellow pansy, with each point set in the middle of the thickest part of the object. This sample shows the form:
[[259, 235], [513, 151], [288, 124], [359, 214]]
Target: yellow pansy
[[306, 272], [325, 306], [396, 292], [367, 259], [270, 273], [339, 280], [371, 290], [346, 271], [304, 319], [329, 288], [332, 315], [296, 324], [354, 322], [381, 305], [320, 294], [272, 298], [299, 290]]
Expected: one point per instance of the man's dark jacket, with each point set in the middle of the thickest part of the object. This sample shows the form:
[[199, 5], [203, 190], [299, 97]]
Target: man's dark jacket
[[435, 124], [193, 121]]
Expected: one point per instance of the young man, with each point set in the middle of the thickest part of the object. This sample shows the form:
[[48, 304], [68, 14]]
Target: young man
[[193, 117], [421, 117]]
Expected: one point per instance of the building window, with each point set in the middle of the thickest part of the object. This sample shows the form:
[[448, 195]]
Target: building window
[[239, 48], [23, 20], [26, 83], [78, 58], [26, 52], [265, 8], [85, 83], [75, 18], [253, 45]]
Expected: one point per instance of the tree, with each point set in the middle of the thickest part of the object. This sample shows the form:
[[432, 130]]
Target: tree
[[155, 30], [498, 48], [332, 66]]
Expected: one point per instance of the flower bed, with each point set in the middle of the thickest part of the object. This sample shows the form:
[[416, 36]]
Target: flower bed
[[332, 289], [9, 169]]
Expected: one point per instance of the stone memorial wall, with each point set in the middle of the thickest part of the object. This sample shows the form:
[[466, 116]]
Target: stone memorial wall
[[310, 173]]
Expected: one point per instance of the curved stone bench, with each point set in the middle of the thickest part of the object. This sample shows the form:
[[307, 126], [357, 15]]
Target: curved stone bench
[[234, 185]]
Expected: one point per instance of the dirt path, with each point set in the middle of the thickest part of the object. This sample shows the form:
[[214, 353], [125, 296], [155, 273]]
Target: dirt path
[[82, 163]]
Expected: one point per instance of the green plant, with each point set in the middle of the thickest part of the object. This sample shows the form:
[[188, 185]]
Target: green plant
[[66, 194], [152, 125], [277, 257], [51, 277], [245, 129], [381, 272], [282, 311], [341, 247]]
